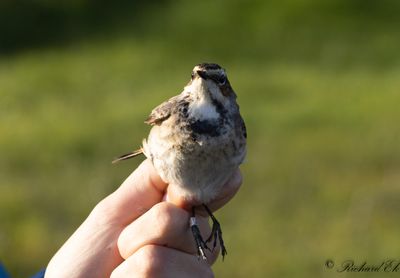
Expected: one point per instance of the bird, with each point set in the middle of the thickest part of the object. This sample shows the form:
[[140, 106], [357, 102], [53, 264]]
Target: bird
[[197, 141]]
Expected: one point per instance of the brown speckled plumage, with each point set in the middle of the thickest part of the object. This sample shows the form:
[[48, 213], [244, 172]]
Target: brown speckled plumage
[[197, 140]]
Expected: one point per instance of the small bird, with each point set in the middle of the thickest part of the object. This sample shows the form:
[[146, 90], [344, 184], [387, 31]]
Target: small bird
[[197, 141]]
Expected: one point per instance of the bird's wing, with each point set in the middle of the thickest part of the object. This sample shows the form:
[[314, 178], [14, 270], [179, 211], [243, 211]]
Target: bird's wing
[[161, 112], [243, 128], [240, 127]]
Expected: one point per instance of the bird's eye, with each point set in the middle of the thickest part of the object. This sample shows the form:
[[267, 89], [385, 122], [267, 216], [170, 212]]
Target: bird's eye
[[222, 80], [192, 75]]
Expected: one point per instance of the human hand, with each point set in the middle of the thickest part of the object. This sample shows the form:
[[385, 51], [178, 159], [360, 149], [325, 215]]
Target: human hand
[[133, 232]]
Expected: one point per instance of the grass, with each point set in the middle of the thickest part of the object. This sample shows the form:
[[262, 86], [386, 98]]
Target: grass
[[321, 176]]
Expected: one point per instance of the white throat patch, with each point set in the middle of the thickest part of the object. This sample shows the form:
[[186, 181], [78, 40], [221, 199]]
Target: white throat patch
[[201, 108]]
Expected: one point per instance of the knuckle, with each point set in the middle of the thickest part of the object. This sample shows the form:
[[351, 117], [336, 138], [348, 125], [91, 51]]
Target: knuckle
[[166, 217], [151, 263]]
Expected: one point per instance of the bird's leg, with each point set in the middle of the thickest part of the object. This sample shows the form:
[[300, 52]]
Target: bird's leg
[[200, 243], [216, 233]]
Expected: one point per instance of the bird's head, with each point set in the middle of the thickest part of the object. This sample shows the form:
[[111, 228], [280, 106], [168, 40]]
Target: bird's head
[[211, 80], [210, 90]]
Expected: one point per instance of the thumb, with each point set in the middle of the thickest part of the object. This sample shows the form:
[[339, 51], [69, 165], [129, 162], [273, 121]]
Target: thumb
[[138, 193]]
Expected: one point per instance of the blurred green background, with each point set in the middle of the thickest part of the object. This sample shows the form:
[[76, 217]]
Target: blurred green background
[[318, 85]]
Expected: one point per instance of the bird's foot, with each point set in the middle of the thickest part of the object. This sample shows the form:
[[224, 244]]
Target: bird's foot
[[200, 243], [216, 234]]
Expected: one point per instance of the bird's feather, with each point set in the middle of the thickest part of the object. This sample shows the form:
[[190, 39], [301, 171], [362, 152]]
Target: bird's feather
[[128, 155], [161, 112]]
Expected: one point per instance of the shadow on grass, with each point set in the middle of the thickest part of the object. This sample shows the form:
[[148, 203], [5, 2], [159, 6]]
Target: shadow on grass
[[26, 24]]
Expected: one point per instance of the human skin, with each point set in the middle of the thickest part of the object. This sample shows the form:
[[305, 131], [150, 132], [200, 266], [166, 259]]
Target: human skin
[[140, 230]]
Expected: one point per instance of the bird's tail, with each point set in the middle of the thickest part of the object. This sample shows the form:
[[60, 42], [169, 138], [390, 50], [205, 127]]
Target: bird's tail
[[128, 155]]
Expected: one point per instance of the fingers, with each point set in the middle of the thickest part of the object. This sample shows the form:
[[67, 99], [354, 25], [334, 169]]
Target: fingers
[[93, 247], [164, 225], [137, 194], [144, 188], [228, 191], [158, 261]]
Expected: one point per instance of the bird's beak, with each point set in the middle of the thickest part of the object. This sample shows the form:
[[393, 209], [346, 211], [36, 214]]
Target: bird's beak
[[202, 74]]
